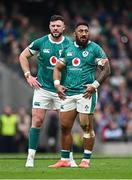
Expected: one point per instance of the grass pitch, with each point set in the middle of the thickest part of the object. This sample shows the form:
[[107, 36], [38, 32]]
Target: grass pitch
[[12, 167]]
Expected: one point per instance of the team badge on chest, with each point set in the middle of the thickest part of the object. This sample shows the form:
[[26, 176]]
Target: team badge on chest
[[85, 53], [76, 62], [53, 60]]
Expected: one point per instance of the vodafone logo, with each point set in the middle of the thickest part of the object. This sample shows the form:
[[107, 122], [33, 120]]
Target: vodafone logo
[[76, 62], [53, 60]]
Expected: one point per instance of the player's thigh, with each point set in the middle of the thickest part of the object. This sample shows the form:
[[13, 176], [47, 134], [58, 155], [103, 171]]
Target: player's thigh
[[67, 118], [86, 105]]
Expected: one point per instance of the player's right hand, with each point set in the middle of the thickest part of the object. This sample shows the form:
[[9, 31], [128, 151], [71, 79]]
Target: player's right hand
[[89, 91], [33, 82], [61, 91]]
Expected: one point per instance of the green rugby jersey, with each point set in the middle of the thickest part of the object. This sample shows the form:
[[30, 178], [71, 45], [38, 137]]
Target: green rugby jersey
[[80, 64], [48, 52]]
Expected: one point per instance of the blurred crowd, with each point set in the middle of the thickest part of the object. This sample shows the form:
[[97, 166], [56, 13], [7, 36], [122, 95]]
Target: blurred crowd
[[110, 26], [14, 128]]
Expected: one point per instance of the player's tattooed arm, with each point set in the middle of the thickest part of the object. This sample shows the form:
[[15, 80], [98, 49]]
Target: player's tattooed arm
[[103, 71]]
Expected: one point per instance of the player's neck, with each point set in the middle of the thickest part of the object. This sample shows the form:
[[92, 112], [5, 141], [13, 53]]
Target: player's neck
[[59, 39]]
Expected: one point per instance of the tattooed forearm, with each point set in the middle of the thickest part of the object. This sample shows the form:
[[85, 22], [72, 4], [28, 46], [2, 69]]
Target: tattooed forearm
[[103, 72]]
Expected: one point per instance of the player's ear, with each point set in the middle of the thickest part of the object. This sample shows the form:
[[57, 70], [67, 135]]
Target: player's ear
[[64, 27]]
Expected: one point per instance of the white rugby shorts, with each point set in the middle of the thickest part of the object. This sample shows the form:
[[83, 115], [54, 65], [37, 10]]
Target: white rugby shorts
[[81, 104], [44, 99]]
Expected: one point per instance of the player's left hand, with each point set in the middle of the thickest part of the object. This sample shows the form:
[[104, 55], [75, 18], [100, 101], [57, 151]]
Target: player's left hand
[[89, 90], [61, 91]]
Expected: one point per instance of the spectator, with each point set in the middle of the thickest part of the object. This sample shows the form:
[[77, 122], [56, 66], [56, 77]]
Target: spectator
[[8, 130]]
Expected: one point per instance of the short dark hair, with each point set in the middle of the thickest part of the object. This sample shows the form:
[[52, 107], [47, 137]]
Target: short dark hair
[[57, 17], [81, 23]]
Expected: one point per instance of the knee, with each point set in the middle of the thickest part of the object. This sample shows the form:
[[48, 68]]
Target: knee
[[37, 121], [89, 135], [85, 126], [65, 129], [88, 130]]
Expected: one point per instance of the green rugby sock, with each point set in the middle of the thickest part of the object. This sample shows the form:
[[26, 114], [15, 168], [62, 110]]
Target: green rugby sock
[[65, 154], [33, 138], [87, 155]]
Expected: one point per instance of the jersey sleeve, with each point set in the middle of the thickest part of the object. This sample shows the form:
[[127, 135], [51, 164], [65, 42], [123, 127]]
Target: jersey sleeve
[[35, 46], [100, 56]]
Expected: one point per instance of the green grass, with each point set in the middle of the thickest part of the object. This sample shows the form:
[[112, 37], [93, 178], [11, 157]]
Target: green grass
[[12, 167]]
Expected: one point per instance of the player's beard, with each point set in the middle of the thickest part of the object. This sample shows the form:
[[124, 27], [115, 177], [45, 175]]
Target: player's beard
[[82, 43], [56, 36]]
